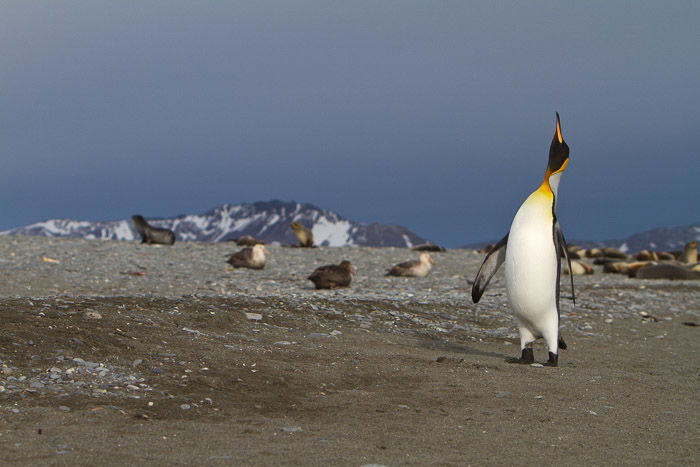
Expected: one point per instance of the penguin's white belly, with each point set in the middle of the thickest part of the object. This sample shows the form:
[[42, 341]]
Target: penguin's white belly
[[531, 265]]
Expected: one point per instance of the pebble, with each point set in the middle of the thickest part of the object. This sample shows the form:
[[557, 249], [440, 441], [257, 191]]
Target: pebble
[[501, 394], [254, 316], [536, 365], [291, 429], [92, 315], [185, 407], [64, 408]]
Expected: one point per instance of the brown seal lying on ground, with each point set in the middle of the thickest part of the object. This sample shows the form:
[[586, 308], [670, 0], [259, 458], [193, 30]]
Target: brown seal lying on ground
[[152, 235], [624, 267], [332, 275], [252, 257], [578, 267], [413, 268], [304, 235], [665, 271]]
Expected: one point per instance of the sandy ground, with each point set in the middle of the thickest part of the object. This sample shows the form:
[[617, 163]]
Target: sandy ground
[[346, 381]]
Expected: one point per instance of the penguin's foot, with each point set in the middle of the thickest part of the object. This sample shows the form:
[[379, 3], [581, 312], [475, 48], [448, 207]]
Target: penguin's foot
[[527, 357], [553, 359]]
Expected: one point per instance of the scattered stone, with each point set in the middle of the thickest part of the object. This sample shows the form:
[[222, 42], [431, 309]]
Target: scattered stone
[[501, 394], [291, 429], [64, 408], [185, 406], [536, 365], [92, 315], [254, 316]]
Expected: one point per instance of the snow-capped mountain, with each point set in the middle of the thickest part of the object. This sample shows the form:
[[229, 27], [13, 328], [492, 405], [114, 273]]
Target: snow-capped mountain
[[267, 221]]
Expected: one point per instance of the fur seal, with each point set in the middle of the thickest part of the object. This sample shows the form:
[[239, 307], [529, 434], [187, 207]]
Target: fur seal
[[413, 268], [152, 235], [624, 267], [614, 253], [578, 267], [601, 261], [594, 253], [690, 253], [646, 255], [429, 247], [332, 275], [247, 240], [252, 257], [575, 252], [304, 235], [665, 271]]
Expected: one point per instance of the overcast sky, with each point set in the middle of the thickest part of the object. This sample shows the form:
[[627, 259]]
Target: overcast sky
[[436, 115]]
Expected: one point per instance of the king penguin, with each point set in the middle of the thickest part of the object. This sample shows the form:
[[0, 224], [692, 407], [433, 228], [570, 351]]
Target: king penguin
[[532, 250]]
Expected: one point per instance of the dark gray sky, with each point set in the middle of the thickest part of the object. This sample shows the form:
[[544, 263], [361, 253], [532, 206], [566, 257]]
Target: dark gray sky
[[436, 115]]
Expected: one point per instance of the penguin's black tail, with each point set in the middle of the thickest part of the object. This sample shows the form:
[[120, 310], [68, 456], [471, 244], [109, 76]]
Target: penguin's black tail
[[562, 344]]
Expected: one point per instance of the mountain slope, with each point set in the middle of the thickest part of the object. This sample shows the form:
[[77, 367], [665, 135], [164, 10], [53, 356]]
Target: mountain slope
[[267, 220]]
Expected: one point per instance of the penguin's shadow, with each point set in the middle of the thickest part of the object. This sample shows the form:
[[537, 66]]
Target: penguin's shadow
[[452, 347]]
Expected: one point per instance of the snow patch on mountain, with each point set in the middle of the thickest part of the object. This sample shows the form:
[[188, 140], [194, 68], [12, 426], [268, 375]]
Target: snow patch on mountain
[[327, 232]]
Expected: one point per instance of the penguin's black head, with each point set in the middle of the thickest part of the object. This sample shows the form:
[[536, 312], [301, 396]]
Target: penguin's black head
[[558, 152]]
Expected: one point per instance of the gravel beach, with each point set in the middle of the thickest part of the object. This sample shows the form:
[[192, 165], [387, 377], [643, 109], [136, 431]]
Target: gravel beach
[[118, 353]]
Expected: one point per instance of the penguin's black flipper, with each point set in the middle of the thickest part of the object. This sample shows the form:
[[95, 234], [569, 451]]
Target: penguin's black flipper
[[488, 268], [561, 247]]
